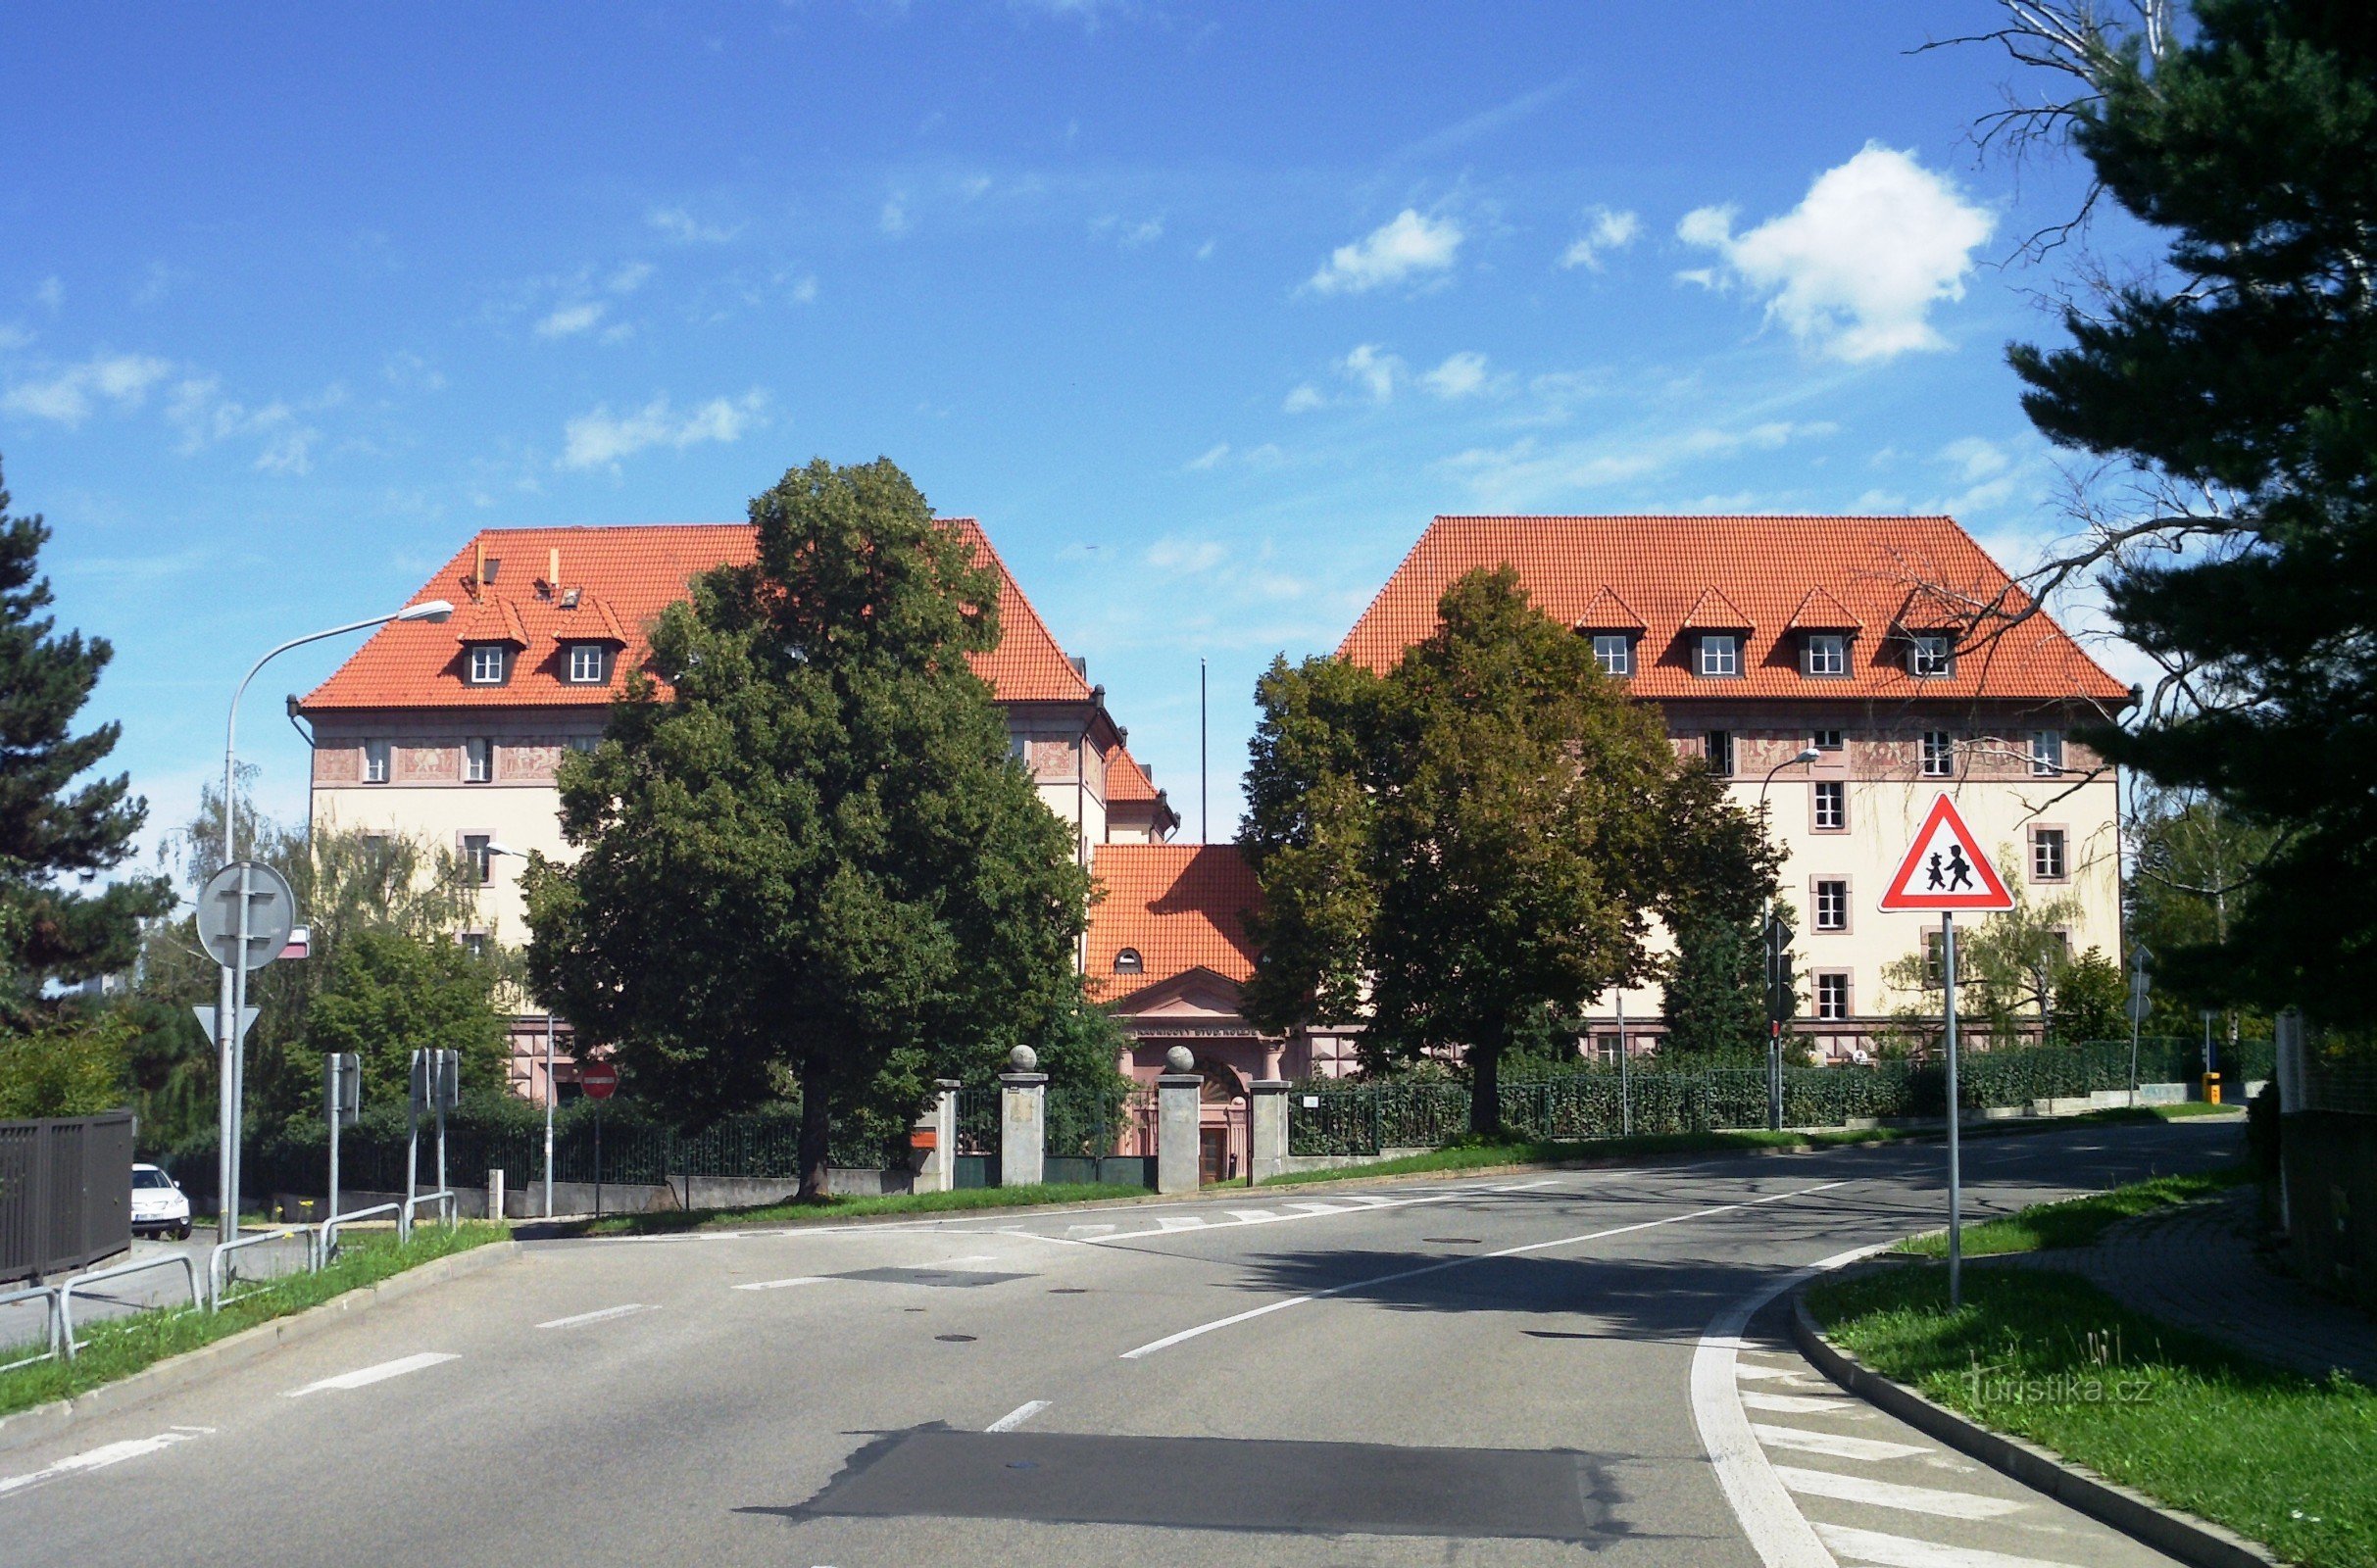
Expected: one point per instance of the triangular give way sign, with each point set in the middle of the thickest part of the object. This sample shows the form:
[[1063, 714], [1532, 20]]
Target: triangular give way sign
[[1945, 869]]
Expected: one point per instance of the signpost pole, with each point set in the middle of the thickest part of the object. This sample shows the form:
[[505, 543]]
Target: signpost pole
[[333, 1102], [239, 1051], [598, 1160], [414, 1087], [1956, 1169], [1626, 1091], [437, 1096], [550, 1094]]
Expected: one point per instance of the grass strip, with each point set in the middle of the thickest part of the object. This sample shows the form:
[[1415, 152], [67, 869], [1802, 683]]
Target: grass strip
[[116, 1346], [2077, 1221], [2287, 1460], [795, 1211]]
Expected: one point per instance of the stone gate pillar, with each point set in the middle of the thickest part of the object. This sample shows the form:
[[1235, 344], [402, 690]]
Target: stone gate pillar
[[1179, 1093], [1267, 1130], [937, 1164], [1022, 1128]]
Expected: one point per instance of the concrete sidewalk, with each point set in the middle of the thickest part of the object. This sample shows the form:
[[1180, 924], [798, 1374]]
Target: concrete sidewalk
[[2197, 1266]]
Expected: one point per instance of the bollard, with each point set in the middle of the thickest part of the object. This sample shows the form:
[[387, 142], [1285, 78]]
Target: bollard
[[1022, 1130], [1177, 1096], [495, 1195], [1266, 1131]]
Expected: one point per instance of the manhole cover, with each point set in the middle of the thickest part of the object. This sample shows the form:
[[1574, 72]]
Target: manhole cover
[[955, 1339]]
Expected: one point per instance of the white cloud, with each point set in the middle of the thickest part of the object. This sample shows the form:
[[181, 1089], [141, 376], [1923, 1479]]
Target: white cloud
[[1304, 399], [805, 290], [1205, 252], [1855, 269], [1461, 375], [1527, 471], [567, 320], [894, 219], [408, 370], [1405, 246], [594, 439], [1373, 369], [1608, 231], [69, 396], [291, 452], [632, 276], [1212, 456], [1129, 235], [1185, 555], [51, 293], [12, 336], [1977, 460], [683, 227]]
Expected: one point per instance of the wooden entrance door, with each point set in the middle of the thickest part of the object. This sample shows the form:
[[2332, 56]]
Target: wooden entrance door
[[1212, 1154]]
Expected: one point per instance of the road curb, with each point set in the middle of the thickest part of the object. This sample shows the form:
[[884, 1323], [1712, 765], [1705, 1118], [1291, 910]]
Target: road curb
[[179, 1372], [2169, 1531]]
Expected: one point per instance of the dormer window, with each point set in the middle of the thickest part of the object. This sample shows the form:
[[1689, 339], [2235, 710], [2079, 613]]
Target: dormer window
[[1931, 655], [489, 663], [1824, 655], [589, 663], [1719, 656], [1613, 650], [1128, 962]]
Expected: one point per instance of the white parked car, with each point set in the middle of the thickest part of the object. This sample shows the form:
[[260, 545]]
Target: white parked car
[[158, 1205]]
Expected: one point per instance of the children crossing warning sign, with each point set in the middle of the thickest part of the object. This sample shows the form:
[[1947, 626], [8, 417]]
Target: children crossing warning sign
[[1945, 869]]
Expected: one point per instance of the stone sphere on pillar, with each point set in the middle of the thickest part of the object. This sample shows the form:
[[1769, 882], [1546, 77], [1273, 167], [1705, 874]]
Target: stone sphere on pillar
[[1024, 1059], [1180, 1060]]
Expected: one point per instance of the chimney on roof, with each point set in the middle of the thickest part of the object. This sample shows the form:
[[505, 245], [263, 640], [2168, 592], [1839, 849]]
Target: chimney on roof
[[553, 566], [1079, 663], [479, 568]]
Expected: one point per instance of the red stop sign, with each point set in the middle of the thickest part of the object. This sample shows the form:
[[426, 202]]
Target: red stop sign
[[598, 1079]]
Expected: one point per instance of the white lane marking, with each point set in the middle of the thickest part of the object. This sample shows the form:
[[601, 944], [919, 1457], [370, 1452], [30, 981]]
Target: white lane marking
[[779, 1284], [100, 1458], [1321, 1208], [971, 1258], [1248, 1216], [1804, 1404], [1527, 1187], [1083, 1230], [1170, 1340], [1180, 1222], [1370, 1200], [1777, 1531], [1891, 1495], [1832, 1445], [1751, 1369], [1017, 1416], [1898, 1551], [604, 1315], [375, 1374]]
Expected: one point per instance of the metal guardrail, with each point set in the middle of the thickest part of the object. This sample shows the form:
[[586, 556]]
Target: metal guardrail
[[32, 1292], [412, 1207], [327, 1241], [217, 1270], [66, 1291]]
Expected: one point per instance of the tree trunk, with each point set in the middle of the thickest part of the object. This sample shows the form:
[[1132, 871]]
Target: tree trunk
[[1485, 1089], [814, 1130]]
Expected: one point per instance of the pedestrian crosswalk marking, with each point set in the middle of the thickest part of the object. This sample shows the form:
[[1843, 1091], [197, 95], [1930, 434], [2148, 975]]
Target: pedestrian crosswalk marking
[[1833, 1444], [1898, 1551], [1802, 1405]]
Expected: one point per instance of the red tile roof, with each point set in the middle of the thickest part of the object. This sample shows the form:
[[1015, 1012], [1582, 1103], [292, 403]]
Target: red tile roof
[[1765, 569], [1126, 781], [1609, 613], [1820, 611], [1179, 906], [1714, 611], [625, 577]]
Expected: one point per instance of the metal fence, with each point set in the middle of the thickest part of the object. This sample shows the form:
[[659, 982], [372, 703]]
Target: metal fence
[[1337, 1117], [65, 1191]]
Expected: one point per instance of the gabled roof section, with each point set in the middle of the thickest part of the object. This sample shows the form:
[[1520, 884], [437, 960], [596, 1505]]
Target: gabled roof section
[[1126, 781], [1609, 613], [1933, 608], [1180, 906], [622, 579], [1714, 611], [1820, 611], [1765, 567]]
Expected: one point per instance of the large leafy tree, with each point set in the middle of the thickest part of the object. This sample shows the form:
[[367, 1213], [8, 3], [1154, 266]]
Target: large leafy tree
[[811, 862], [389, 994], [1474, 843], [2238, 385], [56, 835]]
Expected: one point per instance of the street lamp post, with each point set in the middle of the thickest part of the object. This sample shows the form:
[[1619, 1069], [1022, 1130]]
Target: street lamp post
[[1767, 945], [493, 849], [232, 994]]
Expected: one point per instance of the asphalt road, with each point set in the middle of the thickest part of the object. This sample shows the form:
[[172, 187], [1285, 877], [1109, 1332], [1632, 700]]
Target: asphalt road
[[1496, 1370]]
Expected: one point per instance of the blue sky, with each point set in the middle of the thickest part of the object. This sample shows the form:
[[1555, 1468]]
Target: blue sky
[[1202, 308]]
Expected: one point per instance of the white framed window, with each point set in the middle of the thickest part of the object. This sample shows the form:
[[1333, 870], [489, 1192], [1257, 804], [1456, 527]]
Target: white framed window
[[489, 663], [478, 760], [1832, 904], [1613, 650], [1939, 754], [2046, 752], [1831, 806], [375, 762], [475, 856], [1824, 654], [1128, 962], [1931, 655], [1718, 747], [1827, 740], [1832, 995], [1721, 655], [585, 743], [589, 663], [474, 943], [2048, 861]]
